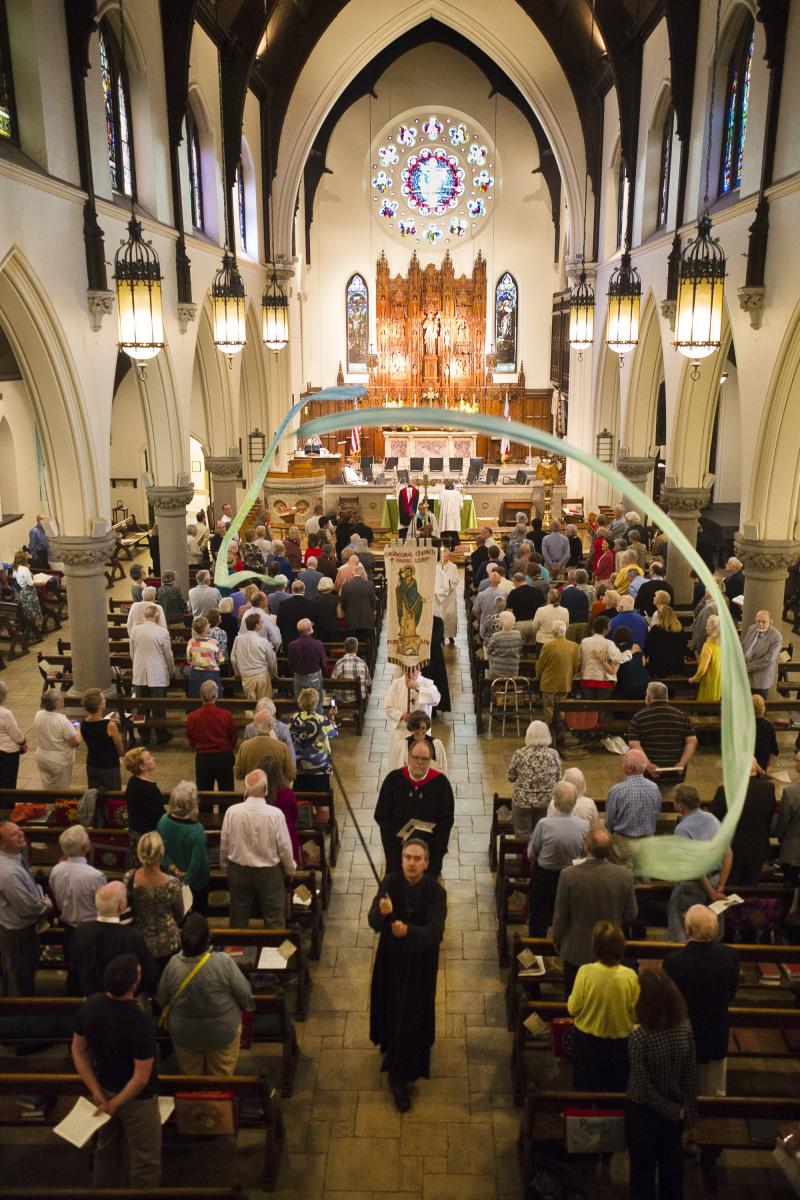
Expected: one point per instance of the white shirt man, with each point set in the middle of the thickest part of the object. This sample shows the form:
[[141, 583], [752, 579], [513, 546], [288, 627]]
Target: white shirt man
[[267, 627], [151, 651], [136, 610], [253, 658], [73, 882], [407, 694], [256, 850]]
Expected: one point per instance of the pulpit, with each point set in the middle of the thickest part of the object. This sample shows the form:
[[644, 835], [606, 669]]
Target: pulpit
[[305, 465]]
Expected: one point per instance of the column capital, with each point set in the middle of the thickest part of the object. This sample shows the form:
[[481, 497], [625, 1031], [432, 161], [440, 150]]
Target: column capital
[[685, 502], [224, 466], [764, 558], [82, 556], [634, 468], [170, 501]]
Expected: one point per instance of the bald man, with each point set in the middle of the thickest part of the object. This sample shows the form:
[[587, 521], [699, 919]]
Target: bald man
[[632, 806], [22, 908], [256, 851], [94, 944]]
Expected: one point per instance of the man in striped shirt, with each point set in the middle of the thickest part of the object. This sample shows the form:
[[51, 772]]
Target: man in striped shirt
[[663, 733]]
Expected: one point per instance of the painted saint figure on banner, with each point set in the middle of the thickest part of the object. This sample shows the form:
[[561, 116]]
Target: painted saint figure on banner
[[409, 611]]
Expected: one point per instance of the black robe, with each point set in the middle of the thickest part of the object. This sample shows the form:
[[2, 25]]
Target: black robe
[[400, 799], [436, 669], [403, 991]]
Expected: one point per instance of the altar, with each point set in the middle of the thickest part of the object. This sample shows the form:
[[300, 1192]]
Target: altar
[[429, 444]]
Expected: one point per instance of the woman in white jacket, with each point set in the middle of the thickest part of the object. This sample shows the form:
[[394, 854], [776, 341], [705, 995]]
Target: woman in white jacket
[[445, 594]]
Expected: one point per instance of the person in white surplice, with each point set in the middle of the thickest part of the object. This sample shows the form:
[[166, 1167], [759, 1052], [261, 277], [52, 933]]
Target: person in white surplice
[[445, 594], [450, 514]]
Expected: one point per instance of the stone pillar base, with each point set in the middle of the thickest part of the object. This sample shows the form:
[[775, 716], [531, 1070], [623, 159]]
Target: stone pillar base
[[84, 560], [766, 566], [684, 506]]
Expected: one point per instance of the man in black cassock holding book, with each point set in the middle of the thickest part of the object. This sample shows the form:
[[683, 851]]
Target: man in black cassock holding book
[[409, 912], [416, 792]]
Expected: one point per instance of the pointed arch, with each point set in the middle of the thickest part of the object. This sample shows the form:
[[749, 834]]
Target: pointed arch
[[773, 502], [695, 410], [647, 371], [44, 359], [214, 379], [167, 434], [253, 411]]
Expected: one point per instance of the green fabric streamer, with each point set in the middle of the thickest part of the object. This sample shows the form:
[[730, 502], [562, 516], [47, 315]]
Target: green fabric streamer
[[667, 858]]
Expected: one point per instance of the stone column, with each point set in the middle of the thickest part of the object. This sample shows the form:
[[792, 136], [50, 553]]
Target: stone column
[[84, 560], [169, 504], [225, 471], [637, 470], [766, 565], [684, 505]]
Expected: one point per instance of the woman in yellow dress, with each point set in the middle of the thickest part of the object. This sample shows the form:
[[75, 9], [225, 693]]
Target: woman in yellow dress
[[709, 664]]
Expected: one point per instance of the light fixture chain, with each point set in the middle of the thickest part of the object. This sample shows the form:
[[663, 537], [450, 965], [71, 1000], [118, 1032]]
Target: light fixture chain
[[225, 197]]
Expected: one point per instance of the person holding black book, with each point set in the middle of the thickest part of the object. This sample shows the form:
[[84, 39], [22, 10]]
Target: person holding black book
[[416, 792]]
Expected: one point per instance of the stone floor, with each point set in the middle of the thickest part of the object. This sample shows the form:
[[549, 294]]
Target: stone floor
[[345, 1139]]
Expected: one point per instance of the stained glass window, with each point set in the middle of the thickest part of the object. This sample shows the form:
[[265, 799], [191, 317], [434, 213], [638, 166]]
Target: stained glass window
[[195, 169], [357, 319], [506, 305], [117, 110], [665, 163], [8, 114], [737, 102], [240, 203]]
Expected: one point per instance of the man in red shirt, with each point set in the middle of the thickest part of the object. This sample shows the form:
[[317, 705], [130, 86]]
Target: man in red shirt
[[212, 732]]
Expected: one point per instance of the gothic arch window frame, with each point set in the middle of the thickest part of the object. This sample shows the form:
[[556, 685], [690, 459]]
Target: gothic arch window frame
[[735, 108], [622, 198], [195, 161], [356, 363], [118, 116], [9, 128], [506, 364], [665, 166]]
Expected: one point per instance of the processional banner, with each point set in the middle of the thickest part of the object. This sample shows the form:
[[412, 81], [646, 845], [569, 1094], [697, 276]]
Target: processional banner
[[410, 581]]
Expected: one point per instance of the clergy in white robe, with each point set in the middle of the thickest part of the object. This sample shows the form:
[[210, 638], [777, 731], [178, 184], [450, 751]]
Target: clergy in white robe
[[450, 510], [445, 593], [407, 692]]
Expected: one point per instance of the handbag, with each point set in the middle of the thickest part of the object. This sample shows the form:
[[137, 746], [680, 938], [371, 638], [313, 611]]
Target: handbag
[[184, 983], [592, 1131], [562, 1036], [207, 1113]]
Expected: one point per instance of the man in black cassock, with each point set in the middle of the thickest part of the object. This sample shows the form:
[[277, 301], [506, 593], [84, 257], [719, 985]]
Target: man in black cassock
[[416, 791], [409, 912]]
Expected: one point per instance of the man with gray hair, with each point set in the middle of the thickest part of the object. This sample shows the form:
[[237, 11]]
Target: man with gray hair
[[294, 610], [665, 735], [632, 806], [555, 549], [211, 730], [553, 845], [280, 730], [556, 666], [585, 808], [94, 943], [73, 882], [22, 908], [256, 851], [153, 665], [504, 649], [136, 612], [264, 744], [253, 659], [203, 597], [307, 659], [358, 604]]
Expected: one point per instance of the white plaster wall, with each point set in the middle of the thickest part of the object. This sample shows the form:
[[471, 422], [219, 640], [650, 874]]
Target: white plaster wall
[[16, 410], [787, 149], [128, 450], [727, 487], [345, 238]]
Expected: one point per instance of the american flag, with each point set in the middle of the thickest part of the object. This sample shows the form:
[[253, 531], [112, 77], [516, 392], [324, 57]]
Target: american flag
[[505, 444], [355, 434]]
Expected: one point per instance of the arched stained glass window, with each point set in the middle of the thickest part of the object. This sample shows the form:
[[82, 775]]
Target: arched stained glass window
[[737, 102], [357, 321], [241, 205], [195, 170], [8, 112], [116, 102], [506, 311], [664, 166]]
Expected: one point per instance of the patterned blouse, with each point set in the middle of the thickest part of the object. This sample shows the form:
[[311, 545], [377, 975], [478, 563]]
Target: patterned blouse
[[534, 771], [310, 735], [253, 558], [221, 638], [663, 1074], [204, 654], [157, 912]]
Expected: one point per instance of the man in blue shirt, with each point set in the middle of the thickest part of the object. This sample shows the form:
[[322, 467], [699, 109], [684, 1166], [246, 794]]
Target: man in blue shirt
[[556, 549], [553, 845], [632, 620], [699, 826], [632, 807], [39, 546], [22, 907]]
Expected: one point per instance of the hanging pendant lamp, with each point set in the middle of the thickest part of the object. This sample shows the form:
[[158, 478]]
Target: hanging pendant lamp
[[137, 275], [581, 315], [275, 316], [228, 308], [701, 270], [624, 306]]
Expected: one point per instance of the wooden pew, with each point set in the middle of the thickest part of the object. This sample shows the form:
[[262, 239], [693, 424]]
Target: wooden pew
[[41, 1020], [160, 1193], [63, 1087], [614, 715], [12, 631], [722, 1122]]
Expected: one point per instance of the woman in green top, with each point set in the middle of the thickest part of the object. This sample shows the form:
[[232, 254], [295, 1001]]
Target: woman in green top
[[603, 1002], [186, 850]]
